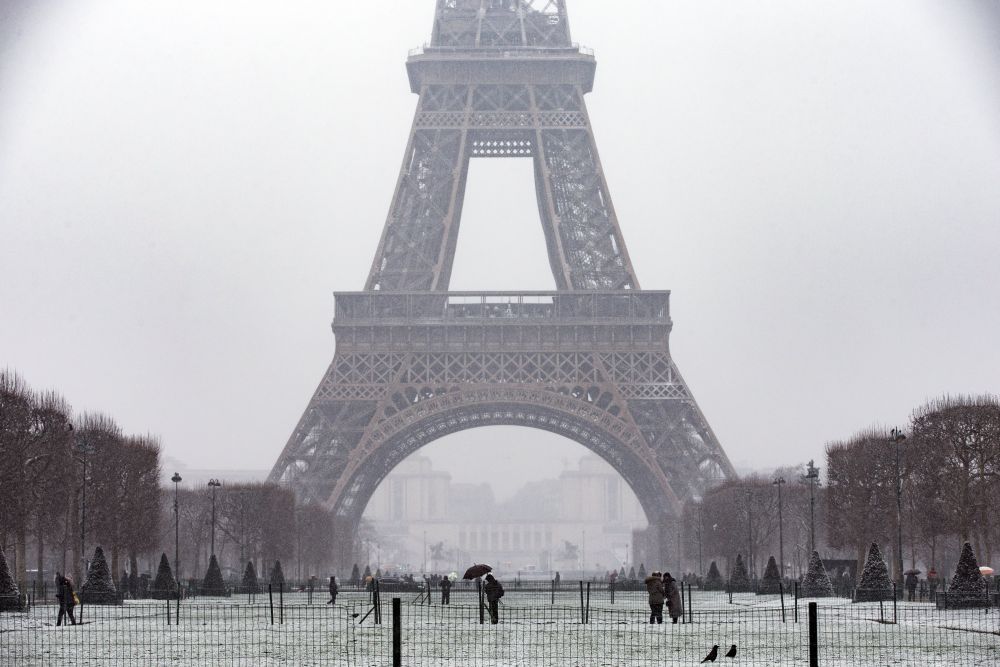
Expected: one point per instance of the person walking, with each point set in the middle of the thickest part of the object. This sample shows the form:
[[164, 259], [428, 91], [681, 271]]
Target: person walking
[[67, 599], [445, 590], [932, 583], [911, 584], [654, 586], [334, 589], [675, 605], [557, 579], [494, 591]]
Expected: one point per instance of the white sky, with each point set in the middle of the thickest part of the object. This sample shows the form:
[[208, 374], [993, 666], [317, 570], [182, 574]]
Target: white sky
[[184, 183]]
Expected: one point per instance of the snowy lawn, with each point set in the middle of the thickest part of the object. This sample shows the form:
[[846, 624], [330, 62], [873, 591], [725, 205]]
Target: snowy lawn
[[532, 632]]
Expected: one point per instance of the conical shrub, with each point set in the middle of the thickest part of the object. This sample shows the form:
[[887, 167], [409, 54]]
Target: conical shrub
[[10, 595], [164, 587], [875, 583], [968, 588], [713, 580], [621, 574], [250, 583], [816, 582], [642, 571], [99, 588], [213, 585], [739, 580], [277, 576], [355, 575], [770, 583]]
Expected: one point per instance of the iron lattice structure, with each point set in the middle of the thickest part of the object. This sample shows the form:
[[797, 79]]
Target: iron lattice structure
[[414, 362]]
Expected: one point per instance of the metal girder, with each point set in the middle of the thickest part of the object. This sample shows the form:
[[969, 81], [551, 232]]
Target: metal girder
[[547, 123], [589, 361]]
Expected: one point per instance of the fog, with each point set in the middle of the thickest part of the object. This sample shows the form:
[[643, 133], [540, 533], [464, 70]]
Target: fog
[[183, 185]]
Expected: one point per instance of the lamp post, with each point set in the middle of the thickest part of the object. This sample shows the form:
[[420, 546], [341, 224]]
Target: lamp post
[[176, 479], [83, 446], [897, 438], [812, 474], [214, 484], [778, 482], [701, 520], [753, 573]]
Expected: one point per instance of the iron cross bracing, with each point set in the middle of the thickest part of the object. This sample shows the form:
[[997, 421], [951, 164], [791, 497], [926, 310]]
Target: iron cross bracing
[[414, 362]]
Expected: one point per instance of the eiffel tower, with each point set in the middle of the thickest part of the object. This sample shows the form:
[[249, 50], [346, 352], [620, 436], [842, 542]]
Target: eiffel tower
[[414, 362]]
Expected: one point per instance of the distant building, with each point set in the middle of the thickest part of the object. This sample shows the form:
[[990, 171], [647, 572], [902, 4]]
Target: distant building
[[584, 519]]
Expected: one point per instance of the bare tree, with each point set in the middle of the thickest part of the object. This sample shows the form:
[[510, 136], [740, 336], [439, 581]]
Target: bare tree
[[959, 443]]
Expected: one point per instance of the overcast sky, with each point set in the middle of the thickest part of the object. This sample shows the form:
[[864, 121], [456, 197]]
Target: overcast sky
[[184, 183]]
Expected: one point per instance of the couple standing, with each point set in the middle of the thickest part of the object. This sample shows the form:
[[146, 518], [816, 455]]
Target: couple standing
[[663, 588]]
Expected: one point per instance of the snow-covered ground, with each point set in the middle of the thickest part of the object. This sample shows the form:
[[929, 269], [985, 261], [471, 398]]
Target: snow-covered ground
[[533, 631]]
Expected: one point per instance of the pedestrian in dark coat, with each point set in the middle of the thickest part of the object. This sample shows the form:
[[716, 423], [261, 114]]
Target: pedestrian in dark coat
[[494, 591], [445, 590], [67, 599], [334, 589], [911, 585], [654, 586], [675, 605]]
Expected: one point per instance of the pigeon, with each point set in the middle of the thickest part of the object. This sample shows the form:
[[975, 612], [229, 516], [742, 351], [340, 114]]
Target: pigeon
[[732, 651], [712, 655], [355, 615]]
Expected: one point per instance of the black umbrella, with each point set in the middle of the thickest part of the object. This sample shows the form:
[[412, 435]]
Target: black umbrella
[[914, 572], [476, 571]]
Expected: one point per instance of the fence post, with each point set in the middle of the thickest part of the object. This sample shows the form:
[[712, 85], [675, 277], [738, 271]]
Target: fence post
[[270, 598], [397, 633], [587, 615], [813, 637], [377, 593], [479, 589], [281, 603], [612, 591], [895, 619], [690, 606], [796, 602], [781, 592], [177, 615], [582, 617], [553, 582], [168, 611]]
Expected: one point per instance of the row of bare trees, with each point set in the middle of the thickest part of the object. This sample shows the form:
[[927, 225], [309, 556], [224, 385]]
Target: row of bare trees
[[741, 516], [68, 483], [255, 521], [949, 468]]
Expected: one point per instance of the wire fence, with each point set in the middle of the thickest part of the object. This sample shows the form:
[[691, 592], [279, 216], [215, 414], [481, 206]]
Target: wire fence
[[568, 627]]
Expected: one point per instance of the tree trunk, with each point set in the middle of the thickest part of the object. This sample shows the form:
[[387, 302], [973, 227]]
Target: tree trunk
[[40, 562], [73, 523], [20, 555], [115, 572]]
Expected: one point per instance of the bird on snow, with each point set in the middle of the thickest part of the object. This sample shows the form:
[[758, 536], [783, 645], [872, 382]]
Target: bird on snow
[[732, 651], [355, 615], [712, 655]]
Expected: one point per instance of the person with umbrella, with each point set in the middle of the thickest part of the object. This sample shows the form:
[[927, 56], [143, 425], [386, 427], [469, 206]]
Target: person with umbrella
[[494, 591]]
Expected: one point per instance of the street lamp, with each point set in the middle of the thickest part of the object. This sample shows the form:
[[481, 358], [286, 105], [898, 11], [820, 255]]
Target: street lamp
[[778, 482], [701, 521], [176, 479], [897, 438], [753, 573], [812, 474], [83, 446], [215, 484]]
